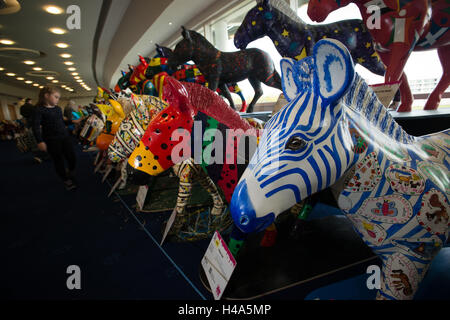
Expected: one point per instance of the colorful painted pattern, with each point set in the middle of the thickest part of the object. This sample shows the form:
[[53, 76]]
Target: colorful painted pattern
[[398, 209], [220, 68], [295, 39]]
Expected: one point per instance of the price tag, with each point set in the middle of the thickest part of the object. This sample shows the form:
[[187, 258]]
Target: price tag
[[385, 92], [219, 265], [140, 197]]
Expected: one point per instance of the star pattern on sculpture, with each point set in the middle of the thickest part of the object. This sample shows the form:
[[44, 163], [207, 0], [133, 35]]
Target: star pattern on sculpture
[[368, 44], [375, 54], [285, 33], [361, 60]]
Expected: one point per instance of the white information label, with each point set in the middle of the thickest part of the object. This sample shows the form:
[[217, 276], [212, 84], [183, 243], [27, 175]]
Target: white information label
[[169, 225], [140, 197], [218, 264], [385, 92]]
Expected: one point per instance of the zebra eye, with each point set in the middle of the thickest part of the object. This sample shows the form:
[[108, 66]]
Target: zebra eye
[[295, 143]]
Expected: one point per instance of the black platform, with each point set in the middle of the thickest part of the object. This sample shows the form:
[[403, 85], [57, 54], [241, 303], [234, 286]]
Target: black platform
[[330, 251]]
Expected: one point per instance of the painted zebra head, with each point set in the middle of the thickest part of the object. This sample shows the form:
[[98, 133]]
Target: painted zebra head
[[299, 151]]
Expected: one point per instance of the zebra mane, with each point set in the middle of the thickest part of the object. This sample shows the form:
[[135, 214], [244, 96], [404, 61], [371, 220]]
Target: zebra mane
[[285, 9], [363, 101], [211, 104]]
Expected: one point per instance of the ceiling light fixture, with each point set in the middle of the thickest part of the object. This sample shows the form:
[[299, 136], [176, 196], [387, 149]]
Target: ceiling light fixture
[[62, 45], [37, 68], [79, 80], [1, 69], [57, 30], [29, 62], [28, 81], [69, 63], [7, 42], [55, 81], [35, 85], [74, 73], [76, 77], [72, 69], [10, 74], [53, 9], [20, 78], [49, 78], [65, 55]]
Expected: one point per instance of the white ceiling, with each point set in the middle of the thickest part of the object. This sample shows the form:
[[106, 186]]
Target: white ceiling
[[125, 28], [29, 29]]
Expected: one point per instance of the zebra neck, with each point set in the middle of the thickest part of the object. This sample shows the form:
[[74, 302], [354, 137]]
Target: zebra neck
[[284, 27]]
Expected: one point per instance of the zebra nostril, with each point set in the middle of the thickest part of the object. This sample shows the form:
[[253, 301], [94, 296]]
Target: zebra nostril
[[244, 220]]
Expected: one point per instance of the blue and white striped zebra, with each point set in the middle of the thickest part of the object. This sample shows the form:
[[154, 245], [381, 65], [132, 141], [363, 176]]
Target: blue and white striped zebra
[[394, 187]]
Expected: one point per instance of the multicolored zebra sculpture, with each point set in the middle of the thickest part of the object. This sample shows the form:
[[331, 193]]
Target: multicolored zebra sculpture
[[393, 187], [213, 126], [131, 130], [220, 68], [293, 38]]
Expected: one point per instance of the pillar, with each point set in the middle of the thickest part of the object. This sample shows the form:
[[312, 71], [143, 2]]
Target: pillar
[[221, 35]]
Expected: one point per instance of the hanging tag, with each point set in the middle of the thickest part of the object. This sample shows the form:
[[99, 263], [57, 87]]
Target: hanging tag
[[140, 197], [219, 264], [169, 225]]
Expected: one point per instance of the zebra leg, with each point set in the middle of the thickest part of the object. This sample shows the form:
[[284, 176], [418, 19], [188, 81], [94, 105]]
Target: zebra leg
[[183, 171], [400, 277], [270, 236], [436, 95], [207, 184], [256, 84], [226, 93]]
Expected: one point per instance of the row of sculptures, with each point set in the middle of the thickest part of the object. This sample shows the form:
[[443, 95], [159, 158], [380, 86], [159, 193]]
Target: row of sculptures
[[332, 133]]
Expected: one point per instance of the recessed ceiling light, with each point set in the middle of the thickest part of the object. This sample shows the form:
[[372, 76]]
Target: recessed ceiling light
[[71, 69], [79, 80], [1, 69], [63, 86], [28, 81], [74, 73], [65, 55], [69, 63], [29, 62], [20, 78], [57, 30], [55, 81], [62, 45], [49, 78], [7, 42], [35, 85], [37, 68], [10, 74], [170, 23], [76, 77], [40, 87], [53, 9]]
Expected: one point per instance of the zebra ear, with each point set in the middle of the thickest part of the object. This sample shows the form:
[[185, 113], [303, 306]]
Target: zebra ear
[[289, 78], [334, 70]]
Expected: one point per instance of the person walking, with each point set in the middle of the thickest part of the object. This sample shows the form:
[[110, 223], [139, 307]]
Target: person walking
[[51, 135], [27, 111]]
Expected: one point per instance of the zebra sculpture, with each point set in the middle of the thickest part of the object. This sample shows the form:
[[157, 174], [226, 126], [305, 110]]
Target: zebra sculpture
[[393, 187]]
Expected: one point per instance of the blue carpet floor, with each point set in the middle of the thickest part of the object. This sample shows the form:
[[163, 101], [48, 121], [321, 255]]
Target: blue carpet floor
[[45, 229]]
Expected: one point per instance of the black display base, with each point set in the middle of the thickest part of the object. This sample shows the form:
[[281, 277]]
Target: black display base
[[326, 252]]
